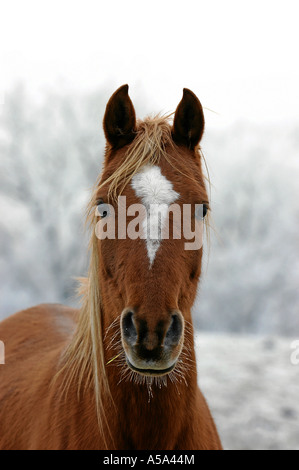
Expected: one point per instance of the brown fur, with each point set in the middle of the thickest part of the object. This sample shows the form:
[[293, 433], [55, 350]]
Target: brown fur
[[65, 384]]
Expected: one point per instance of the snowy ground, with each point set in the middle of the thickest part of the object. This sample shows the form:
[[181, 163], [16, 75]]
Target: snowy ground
[[252, 389]]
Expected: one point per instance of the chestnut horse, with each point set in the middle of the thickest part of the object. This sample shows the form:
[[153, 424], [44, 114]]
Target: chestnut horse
[[120, 372]]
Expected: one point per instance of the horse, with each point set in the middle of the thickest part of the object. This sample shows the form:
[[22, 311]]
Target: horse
[[120, 372]]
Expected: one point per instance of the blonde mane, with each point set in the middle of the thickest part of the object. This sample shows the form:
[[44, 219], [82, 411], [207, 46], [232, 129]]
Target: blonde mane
[[83, 362], [152, 137]]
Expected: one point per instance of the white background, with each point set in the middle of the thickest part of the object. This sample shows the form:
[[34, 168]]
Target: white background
[[240, 57]]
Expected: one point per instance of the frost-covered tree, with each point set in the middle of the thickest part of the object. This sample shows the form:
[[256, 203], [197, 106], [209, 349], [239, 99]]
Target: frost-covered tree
[[251, 281], [50, 154]]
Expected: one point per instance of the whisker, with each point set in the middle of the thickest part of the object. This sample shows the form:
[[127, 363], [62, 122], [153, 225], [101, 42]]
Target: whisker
[[112, 325]]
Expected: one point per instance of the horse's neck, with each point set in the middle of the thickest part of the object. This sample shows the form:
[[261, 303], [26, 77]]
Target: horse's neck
[[145, 413], [140, 417]]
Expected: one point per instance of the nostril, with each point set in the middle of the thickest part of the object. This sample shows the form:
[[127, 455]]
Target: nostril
[[174, 331], [128, 328]]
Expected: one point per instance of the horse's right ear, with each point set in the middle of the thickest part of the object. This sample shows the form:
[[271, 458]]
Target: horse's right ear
[[120, 119]]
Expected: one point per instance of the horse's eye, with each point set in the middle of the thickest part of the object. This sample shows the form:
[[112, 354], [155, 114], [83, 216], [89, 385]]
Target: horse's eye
[[102, 209], [205, 209], [201, 210]]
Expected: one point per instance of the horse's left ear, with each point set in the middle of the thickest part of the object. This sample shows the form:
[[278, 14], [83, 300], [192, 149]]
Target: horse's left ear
[[120, 119], [189, 122]]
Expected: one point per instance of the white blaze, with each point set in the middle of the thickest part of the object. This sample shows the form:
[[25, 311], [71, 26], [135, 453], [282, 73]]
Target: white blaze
[[156, 194]]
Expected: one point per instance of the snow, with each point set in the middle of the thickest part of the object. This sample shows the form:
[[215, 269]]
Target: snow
[[252, 389]]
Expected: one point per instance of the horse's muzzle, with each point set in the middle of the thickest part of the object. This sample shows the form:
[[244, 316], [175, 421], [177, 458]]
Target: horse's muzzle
[[152, 345]]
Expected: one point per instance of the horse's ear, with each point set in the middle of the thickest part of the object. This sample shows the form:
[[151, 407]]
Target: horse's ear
[[189, 122], [119, 120]]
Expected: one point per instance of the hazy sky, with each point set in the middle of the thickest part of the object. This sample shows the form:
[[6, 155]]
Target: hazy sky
[[239, 57]]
